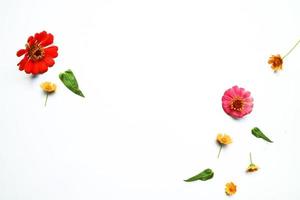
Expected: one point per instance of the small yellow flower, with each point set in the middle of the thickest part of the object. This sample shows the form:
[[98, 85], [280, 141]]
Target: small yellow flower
[[252, 168], [48, 87], [276, 62], [224, 139], [230, 188]]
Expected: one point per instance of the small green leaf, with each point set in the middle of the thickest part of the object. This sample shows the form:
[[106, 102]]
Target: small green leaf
[[69, 80], [257, 133], [203, 176]]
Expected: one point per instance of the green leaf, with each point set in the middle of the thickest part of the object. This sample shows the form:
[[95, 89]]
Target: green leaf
[[69, 80], [203, 176], [257, 133]]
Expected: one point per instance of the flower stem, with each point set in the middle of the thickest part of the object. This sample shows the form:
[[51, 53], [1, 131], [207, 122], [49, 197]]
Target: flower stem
[[290, 51], [220, 150], [251, 158], [46, 99]]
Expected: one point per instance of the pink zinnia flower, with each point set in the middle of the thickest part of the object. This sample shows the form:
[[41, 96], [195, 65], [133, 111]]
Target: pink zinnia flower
[[237, 102]]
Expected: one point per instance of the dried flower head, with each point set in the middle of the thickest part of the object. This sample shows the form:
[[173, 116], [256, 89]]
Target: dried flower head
[[276, 62], [230, 188], [252, 167]]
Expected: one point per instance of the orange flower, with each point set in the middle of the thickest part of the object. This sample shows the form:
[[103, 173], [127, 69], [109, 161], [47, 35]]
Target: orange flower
[[223, 140], [230, 188], [276, 62]]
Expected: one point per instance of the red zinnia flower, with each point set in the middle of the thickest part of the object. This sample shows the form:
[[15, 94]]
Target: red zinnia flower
[[237, 102], [38, 54]]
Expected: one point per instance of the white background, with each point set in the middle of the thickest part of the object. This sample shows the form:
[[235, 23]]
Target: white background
[[153, 73]]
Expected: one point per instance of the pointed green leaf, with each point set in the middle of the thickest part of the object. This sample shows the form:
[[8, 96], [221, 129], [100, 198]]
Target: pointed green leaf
[[203, 176], [69, 80], [257, 133]]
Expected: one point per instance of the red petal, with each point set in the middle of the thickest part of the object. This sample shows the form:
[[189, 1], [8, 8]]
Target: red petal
[[35, 68], [40, 36], [28, 66], [42, 67], [47, 40], [49, 61], [51, 51], [30, 40], [22, 63], [21, 52]]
